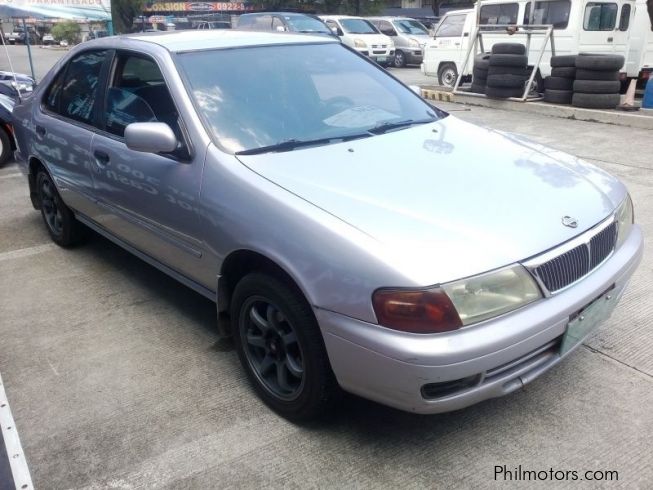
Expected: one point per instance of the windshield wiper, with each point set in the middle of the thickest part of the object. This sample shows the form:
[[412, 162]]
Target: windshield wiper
[[292, 144], [389, 126]]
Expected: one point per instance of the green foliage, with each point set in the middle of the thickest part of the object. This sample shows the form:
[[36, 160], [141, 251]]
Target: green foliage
[[123, 13], [68, 31]]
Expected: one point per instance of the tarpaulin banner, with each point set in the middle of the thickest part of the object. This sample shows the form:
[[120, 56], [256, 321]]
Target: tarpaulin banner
[[197, 7], [62, 9]]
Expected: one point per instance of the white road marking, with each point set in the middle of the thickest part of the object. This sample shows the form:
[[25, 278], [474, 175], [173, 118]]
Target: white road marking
[[26, 252], [11, 176], [52, 367], [17, 462]]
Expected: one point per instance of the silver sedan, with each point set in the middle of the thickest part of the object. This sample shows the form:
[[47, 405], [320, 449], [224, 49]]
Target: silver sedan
[[356, 237]]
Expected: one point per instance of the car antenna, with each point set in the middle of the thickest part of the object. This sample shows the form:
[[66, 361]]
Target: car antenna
[[11, 66]]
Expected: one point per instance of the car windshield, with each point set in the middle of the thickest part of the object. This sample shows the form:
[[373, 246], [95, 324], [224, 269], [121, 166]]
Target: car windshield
[[358, 26], [411, 27], [255, 97], [307, 24]]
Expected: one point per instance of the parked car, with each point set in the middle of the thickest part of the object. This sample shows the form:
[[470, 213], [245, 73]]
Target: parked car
[[48, 39], [214, 24], [408, 35], [361, 35], [283, 22], [7, 143], [18, 36], [355, 235], [18, 81], [596, 27]]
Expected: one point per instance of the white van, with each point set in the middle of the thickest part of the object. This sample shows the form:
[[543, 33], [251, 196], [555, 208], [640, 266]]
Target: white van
[[640, 45], [361, 35], [579, 26]]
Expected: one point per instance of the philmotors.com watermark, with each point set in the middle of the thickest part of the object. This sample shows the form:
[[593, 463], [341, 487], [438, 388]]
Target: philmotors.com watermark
[[519, 473]]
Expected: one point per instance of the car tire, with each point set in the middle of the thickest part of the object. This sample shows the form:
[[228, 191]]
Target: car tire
[[597, 86], [281, 348], [508, 70], [477, 88], [564, 61], [596, 101], [482, 61], [480, 74], [512, 60], [399, 59], [603, 62], [509, 48], [563, 72], [503, 93], [583, 74], [558, 83], [558, 96], [447, 75], [60, 221], [5, 146], [506, 81]]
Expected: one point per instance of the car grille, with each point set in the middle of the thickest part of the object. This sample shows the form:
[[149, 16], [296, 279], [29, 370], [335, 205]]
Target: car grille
[[569, 267], [378, 52], [376, 46]]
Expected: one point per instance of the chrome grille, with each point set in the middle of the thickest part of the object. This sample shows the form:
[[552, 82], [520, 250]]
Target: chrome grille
[[572, 265]]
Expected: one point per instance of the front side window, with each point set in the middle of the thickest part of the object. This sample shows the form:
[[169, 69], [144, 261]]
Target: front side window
[[600, 16], [452, 26], [386, 28], [624, 21], [274, 94], [409, 26], [555, 13], [502, 13], [358, 26], [306, 24], [74, 91]]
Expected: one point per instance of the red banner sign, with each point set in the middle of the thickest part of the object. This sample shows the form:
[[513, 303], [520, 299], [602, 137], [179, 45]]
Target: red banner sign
[[197, 7]]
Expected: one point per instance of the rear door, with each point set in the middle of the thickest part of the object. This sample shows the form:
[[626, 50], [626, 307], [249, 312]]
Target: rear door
[[149, 200], [600, 30]]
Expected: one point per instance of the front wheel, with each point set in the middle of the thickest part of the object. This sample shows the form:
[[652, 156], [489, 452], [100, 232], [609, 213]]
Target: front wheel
[[5, 146], [59, 220], [281, 348], [447, 75], [400, 59]]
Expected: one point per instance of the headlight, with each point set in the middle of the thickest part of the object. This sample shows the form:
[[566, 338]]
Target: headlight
[[359, 43], [625, 219], [413, 43], [481, 297], [457, 303]]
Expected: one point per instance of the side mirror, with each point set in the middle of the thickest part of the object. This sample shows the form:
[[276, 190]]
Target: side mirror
[[150, 137]]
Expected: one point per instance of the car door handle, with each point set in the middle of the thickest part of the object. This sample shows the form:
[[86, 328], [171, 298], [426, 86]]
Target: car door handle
[[101, 158], [610, 39], [40, 130]]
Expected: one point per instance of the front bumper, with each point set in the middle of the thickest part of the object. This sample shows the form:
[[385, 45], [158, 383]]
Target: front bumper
[[414, 56], [495, 357]]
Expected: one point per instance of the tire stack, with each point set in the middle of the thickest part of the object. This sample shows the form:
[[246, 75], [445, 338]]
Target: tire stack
[[597, 84], [559, 87], [479, 80], [507, 71]]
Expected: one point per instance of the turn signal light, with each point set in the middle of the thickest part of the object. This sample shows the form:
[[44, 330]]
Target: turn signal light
[[424, 311]]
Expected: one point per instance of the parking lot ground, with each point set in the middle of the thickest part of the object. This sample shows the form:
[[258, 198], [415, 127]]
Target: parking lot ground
[[116, 377]]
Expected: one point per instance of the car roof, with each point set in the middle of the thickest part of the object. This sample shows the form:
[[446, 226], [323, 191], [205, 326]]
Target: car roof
[[338, 17], [194, 40], [289, 14]]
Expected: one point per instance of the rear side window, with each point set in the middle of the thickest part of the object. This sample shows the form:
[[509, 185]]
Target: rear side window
[[544, 13], [452, 26], [600, 16], [502, 13], [74, 91], [624, 20]]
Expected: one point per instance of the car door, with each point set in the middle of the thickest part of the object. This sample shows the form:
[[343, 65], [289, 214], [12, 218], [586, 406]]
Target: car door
[[149, 200], [64, 125], [447, 45]]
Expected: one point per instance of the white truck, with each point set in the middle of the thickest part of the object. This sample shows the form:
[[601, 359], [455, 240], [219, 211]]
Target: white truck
[[640, 52], [579, 26]]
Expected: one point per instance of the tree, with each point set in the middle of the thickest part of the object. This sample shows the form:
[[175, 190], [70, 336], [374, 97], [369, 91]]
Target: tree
[[123, 13], [68, 31]]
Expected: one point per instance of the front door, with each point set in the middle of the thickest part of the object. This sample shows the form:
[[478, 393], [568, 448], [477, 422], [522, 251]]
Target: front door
[[149, 200], [449, 44], [603, 30]]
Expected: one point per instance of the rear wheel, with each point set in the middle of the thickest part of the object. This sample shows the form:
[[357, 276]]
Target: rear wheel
[[447, 75], [5, 146], [281, 348], [59, 220]]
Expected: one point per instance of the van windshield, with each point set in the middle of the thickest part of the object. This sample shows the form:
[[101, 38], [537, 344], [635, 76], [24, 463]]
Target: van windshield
[[358, 26], [411, 27], [286, 95]]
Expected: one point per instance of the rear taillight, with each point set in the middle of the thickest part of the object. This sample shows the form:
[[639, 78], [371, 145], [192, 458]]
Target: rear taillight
[[422, 311]]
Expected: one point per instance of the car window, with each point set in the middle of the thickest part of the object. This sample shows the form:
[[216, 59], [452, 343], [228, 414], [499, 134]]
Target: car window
[[333, 24], [410, 26], [302, 92], [138, 93], [555, 13], [304, 23], [624, 20], [600, 16], [502, 13], [358, 26], [276, 23], [451, 26], [386, 28], [74, 93]]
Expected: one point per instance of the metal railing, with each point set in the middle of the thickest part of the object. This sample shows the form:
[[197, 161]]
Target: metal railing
[[502, 29]]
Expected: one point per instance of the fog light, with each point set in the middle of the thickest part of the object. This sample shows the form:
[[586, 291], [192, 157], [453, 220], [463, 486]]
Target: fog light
[[438, 390]]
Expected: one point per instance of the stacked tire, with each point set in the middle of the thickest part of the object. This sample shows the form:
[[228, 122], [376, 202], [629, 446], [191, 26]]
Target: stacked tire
[[479, 79], [507, 71], [559, 87], [597, 84]]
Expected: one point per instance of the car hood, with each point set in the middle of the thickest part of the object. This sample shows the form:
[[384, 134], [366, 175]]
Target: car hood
[[373, 38], [448, 199]]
